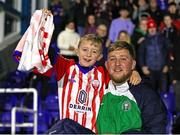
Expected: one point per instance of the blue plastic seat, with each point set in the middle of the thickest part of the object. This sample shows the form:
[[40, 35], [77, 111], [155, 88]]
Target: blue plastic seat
[[51, 103], [10, 102], [43, 122], [169, 100]]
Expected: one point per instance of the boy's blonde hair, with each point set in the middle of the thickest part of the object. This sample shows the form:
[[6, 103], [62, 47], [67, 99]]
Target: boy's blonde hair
[[96, 40]]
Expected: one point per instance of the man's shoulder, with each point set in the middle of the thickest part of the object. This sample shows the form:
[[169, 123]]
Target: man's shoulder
[[144, 88]]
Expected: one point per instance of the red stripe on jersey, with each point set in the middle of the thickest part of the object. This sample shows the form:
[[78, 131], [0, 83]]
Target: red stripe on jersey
[[88, 87], [93, 121], [70, 92], [79, 88], [84, 119], [75, 116]]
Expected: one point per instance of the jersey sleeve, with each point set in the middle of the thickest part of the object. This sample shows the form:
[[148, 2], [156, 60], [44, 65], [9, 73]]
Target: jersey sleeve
[[60, 67]]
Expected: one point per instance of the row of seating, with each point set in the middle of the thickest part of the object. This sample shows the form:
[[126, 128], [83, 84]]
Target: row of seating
[[48, 113]]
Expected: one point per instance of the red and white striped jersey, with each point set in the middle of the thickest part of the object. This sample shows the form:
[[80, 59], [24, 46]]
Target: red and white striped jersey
[[80, 97]]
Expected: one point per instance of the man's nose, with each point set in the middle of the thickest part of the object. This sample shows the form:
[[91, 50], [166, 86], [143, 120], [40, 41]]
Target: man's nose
[[118, 62]]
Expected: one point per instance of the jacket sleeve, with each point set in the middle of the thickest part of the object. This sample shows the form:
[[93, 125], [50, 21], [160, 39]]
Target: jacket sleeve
[[141, 54], [153, 112]]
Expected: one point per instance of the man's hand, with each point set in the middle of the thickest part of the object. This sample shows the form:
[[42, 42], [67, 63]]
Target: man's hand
[[165, 69], [135, 78], [140, 40], [145, 70]]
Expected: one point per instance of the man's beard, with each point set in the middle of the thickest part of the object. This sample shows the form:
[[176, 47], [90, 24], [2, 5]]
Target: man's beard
[[121, 79]]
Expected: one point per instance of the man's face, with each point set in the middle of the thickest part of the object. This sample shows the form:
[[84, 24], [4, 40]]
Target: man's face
[[143, 25], [124, 13], [101, 31], [167, 20], [88, 54], [120, 65], [152, 31], [91, 19], [71, 25], [123, 37]]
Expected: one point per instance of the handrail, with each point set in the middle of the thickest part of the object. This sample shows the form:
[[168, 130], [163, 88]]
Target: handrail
[[10, 9], [13, 111]]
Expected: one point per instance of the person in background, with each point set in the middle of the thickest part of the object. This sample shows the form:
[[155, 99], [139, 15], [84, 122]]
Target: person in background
[[138, 37], [176, 74], [155, 13], [79, 11], [126, 108], [153, 57], [139, 9], [90, 27], [173, 10], [123, 22], [124, 36], [169, 31], [140, 33], [58, 18], [102, 31], [68, 40]]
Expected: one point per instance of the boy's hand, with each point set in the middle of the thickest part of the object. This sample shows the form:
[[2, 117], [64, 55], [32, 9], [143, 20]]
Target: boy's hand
[[135, 78]]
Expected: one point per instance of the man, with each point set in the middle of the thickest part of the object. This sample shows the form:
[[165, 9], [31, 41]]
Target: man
[[153, 57], [123, 22], [128, 108]]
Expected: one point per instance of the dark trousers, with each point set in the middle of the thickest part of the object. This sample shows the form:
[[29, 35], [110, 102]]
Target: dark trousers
[[177, 95], [158, 80], [68, 126]]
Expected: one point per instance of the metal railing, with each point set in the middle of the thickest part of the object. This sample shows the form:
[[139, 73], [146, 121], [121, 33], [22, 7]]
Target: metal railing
[[34, 110]]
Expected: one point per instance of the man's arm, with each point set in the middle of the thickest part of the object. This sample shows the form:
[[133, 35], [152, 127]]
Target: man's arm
[[153, 111]]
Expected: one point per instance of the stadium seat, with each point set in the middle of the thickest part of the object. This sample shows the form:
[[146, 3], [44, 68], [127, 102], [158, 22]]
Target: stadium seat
[[51, 103], [43, 122], [169, 100]]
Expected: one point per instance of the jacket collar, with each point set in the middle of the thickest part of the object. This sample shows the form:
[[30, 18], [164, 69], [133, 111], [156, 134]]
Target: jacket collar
[[118, 89]]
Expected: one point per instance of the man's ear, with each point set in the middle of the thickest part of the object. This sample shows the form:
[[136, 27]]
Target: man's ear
[[100, 57], [133, 64]]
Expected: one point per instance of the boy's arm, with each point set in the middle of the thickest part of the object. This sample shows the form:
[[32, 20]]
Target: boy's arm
[[60, 67]]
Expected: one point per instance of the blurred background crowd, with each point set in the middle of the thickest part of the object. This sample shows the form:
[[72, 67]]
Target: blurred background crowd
[[152, 27]]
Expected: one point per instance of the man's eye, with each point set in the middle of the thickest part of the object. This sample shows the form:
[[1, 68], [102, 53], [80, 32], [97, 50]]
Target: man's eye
[[123, 59], [112, 59]]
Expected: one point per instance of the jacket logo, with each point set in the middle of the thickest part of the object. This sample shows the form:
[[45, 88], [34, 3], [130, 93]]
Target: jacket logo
[[126, 105]]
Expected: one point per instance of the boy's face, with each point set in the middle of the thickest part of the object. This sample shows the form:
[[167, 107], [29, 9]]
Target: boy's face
[[120, 65], [88, 54]]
